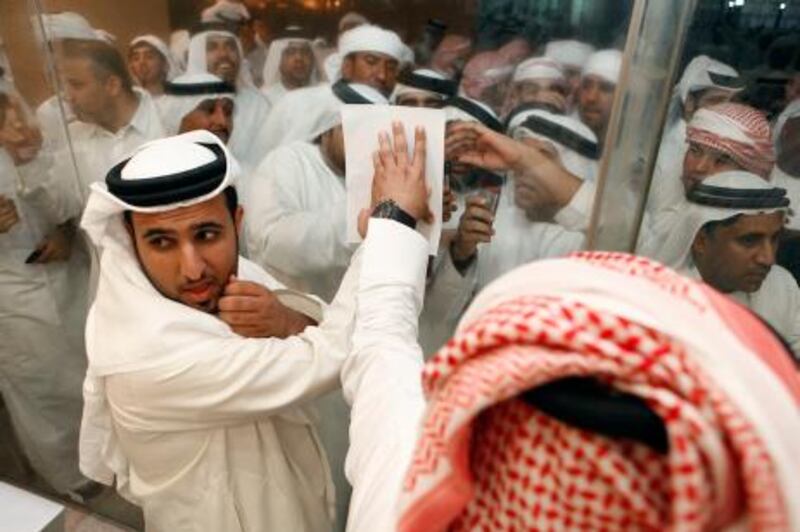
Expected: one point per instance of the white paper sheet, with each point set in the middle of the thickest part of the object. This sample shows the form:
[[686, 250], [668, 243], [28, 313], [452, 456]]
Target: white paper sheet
[[361, 124]]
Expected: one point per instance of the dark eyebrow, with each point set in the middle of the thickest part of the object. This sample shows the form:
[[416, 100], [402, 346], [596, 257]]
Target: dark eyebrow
[[206, 225], [150, 233]]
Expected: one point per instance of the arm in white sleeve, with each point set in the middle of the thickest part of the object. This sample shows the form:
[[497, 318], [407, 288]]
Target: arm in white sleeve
[[381, 377], [285, 234], [49, 184], [575, 215], [223, 380]]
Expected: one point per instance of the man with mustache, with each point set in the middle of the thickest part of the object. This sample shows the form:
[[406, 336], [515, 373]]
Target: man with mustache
[[201, 365], [367, 55], [596, 91], [289, 64], [727, 235], [216, 50], [200, 101]]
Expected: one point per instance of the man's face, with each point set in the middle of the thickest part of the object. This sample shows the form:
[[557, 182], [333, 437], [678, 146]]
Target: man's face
[[595, 99], [703, 99], [214, 115], [789, 156], [89, 96], [420, 99], [738, 257], [222, 58], [296, 65], [147, 65], [701, 161], [379, 71], [540, 91], [189, 253], [20, 140], [332, 144]]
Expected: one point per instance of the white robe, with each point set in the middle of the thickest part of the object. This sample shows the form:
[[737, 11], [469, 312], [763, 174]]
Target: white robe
[[287, 121], [274, 93], [295, 228], [96, 149], [209, 431], [381, 380], [296, 220], [248, 141], [42, 359]]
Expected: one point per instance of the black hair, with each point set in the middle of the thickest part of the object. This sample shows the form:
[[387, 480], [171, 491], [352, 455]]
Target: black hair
[[105, 59], [231, 202]]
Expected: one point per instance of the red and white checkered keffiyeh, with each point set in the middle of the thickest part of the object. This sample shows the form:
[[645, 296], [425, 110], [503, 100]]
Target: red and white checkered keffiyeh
[[487, 460], [737, 130]]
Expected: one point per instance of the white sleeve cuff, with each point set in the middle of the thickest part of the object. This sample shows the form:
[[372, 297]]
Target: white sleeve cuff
[[574, 216], [393, 254]]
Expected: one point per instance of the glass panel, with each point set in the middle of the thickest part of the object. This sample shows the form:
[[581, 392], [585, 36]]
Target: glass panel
[[733, 124], [87, 82]]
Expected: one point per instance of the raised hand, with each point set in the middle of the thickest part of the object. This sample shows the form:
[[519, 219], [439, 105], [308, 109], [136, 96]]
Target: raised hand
[[474, 227], [399, 179], [252, 310]]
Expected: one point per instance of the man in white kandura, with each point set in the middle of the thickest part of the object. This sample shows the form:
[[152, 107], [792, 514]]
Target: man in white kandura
[[200, 363], [728, 236]]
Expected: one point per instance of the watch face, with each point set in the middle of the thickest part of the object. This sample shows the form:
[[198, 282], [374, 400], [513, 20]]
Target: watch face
[[384, 209]]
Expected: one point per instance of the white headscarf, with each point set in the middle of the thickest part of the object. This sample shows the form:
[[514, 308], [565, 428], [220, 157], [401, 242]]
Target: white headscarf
[[697, 76], [70, 25], [576, 163], [452, 112], [176, 106], [538, 68], [158, 44], [401, 89], [226, 12], [272, 65], [569, 53], [605, 64], [179, 46], [367, 38], [196, 61], [675, 252], [327, 109]]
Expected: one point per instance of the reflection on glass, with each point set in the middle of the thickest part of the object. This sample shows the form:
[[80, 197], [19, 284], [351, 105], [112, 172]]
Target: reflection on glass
[[527, 89], [724, 179]]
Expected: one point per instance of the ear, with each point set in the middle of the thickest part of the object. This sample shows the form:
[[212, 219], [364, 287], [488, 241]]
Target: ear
[[689, 107], [347, 68], [114, 85], [237, 219], [700, 245]]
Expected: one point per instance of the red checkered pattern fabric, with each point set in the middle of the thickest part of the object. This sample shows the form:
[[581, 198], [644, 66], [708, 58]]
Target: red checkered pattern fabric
[[739, 131], [486, 460]]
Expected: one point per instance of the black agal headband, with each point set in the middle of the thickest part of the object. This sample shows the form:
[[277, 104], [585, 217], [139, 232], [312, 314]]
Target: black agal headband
[[562, 135], [445, 87], [738, 198], [172, 188], [476, 111]]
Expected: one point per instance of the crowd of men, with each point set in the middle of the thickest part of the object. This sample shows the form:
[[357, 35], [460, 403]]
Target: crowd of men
[[245, 366]]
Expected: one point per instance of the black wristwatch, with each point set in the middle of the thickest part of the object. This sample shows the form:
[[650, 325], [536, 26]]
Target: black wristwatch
[[391, 210]]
